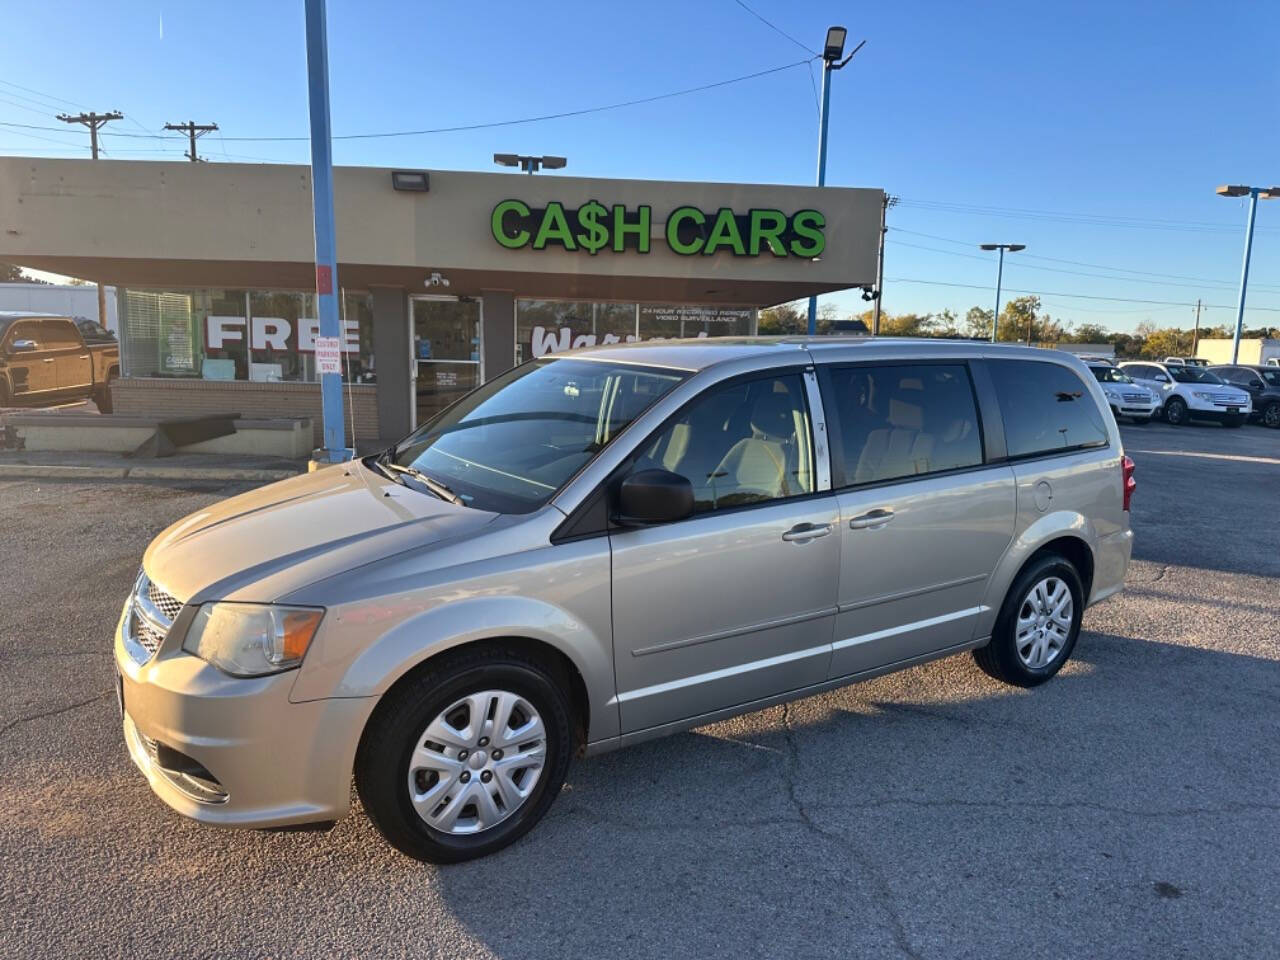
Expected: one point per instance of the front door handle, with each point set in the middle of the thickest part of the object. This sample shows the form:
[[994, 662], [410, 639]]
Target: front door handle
[[48, 360], [869, 521], [804, 532]]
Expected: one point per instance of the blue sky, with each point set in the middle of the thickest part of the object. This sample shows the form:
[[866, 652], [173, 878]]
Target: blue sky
[[1093, 132]]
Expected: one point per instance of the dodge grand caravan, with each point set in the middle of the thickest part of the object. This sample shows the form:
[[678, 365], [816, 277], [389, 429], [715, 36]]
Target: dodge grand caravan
[[606, 546]]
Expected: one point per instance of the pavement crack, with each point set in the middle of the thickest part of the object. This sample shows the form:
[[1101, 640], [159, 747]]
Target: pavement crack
[[884, 895], [1063, 805], [51, 713]]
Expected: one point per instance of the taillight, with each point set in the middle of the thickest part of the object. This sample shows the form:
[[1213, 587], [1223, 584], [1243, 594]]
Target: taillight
[[1130, 484]]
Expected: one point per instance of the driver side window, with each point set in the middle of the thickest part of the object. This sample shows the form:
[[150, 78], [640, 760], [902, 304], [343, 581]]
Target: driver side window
[[745, 442]]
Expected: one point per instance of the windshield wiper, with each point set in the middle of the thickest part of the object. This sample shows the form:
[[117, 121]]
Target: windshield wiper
[[435, 486]]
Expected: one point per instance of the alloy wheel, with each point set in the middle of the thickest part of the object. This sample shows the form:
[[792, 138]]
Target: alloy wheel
[[1044, 623], [477, 762], [1271, 415]]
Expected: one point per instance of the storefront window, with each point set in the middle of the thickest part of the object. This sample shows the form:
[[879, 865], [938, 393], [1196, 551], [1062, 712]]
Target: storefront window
[[224, 334], [553, 326]]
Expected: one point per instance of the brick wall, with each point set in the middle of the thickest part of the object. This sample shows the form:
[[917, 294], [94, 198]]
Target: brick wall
[[161, 397]]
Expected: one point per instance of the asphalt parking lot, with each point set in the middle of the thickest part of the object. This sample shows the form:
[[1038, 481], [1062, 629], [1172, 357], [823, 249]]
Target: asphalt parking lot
[[1127, 809]]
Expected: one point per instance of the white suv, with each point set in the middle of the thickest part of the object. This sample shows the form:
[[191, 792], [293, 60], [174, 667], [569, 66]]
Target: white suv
[[1191, 393], [1126, 398]]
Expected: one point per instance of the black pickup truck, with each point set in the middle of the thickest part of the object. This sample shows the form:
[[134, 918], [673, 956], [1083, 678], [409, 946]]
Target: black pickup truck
[[46, 360]]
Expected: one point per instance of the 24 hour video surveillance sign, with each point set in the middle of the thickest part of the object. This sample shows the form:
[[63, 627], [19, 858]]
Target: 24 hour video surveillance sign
[[688, 231]]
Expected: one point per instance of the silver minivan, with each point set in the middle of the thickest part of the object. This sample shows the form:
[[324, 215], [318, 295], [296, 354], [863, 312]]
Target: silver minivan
[[609, 545]]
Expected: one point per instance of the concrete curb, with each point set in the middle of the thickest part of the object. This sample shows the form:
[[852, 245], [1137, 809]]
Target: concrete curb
[[35, 471]]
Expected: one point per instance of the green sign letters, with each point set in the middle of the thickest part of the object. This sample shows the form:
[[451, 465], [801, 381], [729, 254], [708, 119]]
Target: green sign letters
[[690, 231]]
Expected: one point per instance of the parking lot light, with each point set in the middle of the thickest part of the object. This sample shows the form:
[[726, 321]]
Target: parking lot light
[[1002, 247], [1253, 193]]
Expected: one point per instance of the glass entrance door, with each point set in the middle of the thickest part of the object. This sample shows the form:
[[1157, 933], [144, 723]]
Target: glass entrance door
[[446, 352]]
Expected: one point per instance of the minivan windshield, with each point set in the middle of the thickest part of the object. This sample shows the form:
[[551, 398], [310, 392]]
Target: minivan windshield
[[1188, 374], [1111, 375], [512, 443]]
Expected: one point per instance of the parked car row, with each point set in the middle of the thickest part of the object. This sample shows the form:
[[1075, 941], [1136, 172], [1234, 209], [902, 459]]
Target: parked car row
[[1182, 390]]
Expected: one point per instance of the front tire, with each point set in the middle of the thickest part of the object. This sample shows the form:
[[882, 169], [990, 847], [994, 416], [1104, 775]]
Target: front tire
[[1175, 411], [1271, 415], [1038, 624], [466, 756]]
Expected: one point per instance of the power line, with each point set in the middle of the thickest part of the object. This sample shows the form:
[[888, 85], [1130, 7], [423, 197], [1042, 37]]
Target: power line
[[45, 96], [776, 29], [1107, 220], [1077, 263], [460, 128], [1074, 273], [1074, 296]]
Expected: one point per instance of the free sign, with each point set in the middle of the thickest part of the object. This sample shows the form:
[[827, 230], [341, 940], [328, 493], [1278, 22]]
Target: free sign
[[275, 333]]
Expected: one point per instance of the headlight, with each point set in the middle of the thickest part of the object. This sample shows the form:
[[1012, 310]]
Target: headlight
[[1111, 395], [1201, 395], [250, 639]]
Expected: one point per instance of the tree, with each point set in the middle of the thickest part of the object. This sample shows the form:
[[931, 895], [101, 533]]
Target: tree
[[12, 273], [1091, 333], [783, 319], [1169, 342], [977, 324]]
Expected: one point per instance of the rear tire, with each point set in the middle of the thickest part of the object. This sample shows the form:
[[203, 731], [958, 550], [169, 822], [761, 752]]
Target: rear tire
[[102, 396], [1175, 411], [1011, 656], [389, 772]]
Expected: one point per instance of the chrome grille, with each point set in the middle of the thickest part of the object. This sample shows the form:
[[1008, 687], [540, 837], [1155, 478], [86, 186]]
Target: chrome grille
[[151, 614], [163, 601], [1137, 398], [1228, 399]]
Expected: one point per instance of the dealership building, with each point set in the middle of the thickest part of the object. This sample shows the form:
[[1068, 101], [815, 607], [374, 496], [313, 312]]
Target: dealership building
[[447, 278]]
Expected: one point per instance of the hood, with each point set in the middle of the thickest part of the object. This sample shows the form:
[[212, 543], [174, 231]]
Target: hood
[[261, 545]]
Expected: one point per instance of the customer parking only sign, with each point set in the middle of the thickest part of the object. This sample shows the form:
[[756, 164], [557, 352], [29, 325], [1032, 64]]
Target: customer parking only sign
[[328, 355]]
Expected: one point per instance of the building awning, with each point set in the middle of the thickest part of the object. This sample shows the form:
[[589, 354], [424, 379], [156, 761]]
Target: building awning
[[174, 224]]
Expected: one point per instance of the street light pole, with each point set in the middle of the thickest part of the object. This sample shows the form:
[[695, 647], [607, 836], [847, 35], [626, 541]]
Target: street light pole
[[335, 446], [832, 50], [1002, 247], [1237, 190]]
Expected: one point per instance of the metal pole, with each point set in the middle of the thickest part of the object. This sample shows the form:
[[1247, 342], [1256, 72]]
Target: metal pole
[[875, 315], [1244, 274], [995, 318], [822, 168], [1195, 337], [335, 448]]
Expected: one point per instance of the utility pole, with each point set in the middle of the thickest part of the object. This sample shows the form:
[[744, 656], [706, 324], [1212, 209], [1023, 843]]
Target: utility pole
[[192, 130], [886, 203], [335, 448], [93, 121], [1195, 337]]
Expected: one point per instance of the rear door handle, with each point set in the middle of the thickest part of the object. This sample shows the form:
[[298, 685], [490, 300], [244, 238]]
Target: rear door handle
[[48, 360], [804, 532], [871, 520]]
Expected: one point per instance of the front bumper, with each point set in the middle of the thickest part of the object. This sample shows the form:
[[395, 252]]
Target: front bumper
[[278, 762]]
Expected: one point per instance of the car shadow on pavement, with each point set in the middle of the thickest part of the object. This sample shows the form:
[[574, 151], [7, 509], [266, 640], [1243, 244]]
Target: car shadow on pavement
[[932, 812]]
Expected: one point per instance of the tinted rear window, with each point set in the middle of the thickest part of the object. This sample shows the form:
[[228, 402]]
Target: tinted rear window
[[1046, 408], [905, 420]]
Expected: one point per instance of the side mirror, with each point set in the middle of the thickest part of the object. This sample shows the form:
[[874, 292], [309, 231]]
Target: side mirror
[[654, 496], [23, 346], [1160, 378], [1256, 385]]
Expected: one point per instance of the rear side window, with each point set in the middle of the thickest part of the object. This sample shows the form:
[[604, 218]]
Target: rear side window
[[905, 420], [1046, 408]]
